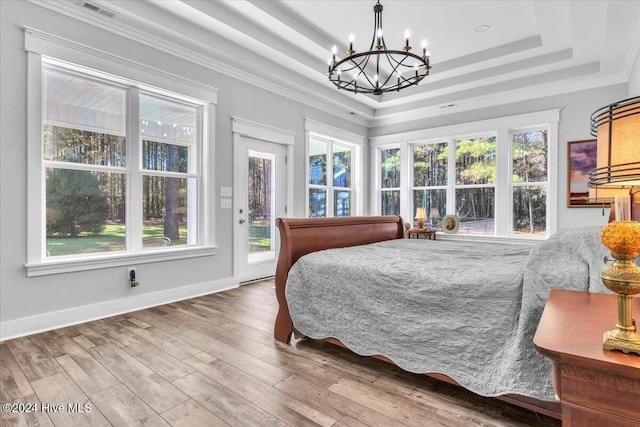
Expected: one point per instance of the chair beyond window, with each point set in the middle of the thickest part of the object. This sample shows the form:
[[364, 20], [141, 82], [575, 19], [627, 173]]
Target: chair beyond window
[[155, 242]]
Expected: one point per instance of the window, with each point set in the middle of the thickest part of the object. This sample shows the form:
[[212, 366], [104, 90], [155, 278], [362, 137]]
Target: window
[[530, 184], [390, 181], [430, 177], [121, 165], [168, 130], [475, 198], [330, 184], [496, 177]]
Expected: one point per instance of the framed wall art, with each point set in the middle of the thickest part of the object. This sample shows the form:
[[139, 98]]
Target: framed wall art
[[581, 158]]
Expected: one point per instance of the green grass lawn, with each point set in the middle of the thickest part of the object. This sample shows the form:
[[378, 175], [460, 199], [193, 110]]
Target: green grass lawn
[[259, 239], [111, 239]]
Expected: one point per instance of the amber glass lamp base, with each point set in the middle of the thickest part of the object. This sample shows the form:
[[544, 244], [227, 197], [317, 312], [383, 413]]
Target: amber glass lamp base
[[623, 278]]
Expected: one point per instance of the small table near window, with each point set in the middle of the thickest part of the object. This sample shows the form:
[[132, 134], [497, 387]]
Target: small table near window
[[429, 233], [595, 387]]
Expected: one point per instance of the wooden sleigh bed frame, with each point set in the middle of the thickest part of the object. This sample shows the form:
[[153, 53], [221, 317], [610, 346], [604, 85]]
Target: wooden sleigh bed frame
[[300, 236]]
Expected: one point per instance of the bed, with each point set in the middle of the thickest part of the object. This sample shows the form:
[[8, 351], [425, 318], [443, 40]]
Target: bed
[[459, 311]]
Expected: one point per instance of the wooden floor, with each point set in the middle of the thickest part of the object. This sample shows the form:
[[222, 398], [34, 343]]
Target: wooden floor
[[213, 361]]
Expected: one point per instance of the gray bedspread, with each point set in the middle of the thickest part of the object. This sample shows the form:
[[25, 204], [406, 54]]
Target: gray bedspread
[[465, 310]]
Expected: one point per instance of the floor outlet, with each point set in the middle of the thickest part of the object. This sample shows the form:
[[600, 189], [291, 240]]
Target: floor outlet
[[133, 281]]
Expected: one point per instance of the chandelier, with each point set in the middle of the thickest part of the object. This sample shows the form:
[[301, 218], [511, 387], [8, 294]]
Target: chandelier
[[378, 70]]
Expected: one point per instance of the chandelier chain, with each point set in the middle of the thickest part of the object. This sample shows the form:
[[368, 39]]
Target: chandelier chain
[[388, 63]]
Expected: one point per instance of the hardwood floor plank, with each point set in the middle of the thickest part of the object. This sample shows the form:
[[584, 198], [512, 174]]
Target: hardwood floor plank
[[90, 375], [165, 365], [85, 335], [157, 392], [13, 383], [122, 407], [25, 418], [227, 405], [51, 346], [334, 405], [163, 340], [122, 337], [33, 358], [191, 414], [58, 394], [277, 403], [245, 362], [397, 409], [161, 322]]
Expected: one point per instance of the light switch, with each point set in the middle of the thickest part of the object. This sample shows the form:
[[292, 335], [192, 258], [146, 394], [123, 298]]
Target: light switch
[[226, 192], [225, 203]]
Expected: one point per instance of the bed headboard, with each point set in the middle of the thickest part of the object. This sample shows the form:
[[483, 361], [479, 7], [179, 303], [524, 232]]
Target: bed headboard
[[300, 236]]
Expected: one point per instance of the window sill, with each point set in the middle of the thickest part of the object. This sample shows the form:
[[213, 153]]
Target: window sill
[[531, 241], [58, 266]]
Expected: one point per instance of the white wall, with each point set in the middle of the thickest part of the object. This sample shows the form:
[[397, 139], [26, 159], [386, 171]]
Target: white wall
[[29, 304], [576, 109]]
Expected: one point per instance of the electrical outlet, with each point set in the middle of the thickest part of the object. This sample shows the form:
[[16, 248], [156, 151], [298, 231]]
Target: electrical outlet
[[133, 281], [226, 192]]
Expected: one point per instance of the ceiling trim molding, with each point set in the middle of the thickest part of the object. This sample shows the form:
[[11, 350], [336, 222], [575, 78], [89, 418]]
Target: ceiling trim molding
[[331, 106], [47, 44], [262, 132], [633, 55], [527, 119], [492, 100], [333, 132]]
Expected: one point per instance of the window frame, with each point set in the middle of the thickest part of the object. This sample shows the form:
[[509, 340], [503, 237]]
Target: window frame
[[44, 49], [403, 177], [331, 136], [415, 187], [503, 128]]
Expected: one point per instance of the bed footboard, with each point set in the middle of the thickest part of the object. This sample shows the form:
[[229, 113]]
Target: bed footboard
[[300, 236]]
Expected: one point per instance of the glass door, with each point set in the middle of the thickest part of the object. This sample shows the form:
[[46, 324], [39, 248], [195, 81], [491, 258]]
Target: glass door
[[261, 183]]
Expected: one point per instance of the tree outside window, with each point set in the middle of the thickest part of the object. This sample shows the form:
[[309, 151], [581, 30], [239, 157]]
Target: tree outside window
[[530, 182], [475, 184], [390, 165], [430, 169]]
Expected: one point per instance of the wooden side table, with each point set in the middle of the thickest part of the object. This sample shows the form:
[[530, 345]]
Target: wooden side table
[[595, 387], [429, 233]]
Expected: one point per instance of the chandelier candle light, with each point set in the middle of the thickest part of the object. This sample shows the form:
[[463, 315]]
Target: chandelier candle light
[[388, 70]]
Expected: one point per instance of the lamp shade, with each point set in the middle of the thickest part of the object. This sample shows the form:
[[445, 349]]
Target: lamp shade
[[617, 127], [420, 213]]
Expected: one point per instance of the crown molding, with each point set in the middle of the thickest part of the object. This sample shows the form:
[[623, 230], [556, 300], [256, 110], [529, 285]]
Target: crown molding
[[332, 106]]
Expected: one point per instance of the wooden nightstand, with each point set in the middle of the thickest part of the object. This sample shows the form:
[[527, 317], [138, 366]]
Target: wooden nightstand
[[595, 387], [429, 233]]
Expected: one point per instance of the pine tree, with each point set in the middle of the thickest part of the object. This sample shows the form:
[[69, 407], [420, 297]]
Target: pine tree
[[75, 203]]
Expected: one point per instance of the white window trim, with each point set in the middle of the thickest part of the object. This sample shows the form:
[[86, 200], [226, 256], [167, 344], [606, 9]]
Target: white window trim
[[502, 127], [242, 127], [66, 52], [341, 137]]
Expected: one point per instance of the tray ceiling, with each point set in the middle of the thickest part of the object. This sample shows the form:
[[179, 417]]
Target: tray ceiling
[[531, 48]]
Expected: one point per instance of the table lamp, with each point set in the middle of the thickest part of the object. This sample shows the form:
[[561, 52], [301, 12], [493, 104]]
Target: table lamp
[[617, 173], [420, 216], [433, 214]]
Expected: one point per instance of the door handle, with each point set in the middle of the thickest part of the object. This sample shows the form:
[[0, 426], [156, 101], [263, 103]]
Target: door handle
[[241, 221]]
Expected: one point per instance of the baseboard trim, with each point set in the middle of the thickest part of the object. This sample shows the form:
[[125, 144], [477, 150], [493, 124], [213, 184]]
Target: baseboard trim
[[59, 319]]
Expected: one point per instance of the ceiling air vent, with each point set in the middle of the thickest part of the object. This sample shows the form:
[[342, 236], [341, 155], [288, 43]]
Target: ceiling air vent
[[97, 9]]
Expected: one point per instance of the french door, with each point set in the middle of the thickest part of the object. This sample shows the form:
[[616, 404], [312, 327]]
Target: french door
[[261, 182]]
